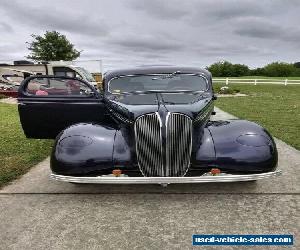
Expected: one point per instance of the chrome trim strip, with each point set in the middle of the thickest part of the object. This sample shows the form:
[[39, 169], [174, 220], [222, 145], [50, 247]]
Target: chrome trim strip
[[167, 146], [159, 119], [204, 112], [119, 116], [164, 180]]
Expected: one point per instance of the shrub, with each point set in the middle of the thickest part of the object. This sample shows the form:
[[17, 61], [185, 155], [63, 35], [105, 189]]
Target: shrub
[[279, 69], [227, 69], [226, 90]]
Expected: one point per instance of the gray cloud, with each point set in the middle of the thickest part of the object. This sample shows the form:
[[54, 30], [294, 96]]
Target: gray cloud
[[228, 49], [258, 28], [161, 9], [146, 43], [265, 29], [230, 9], [5, 27], [56, 19], [200, 10], [124, 33]]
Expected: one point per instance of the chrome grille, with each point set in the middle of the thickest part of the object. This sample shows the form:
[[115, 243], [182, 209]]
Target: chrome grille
[[149, 145], [178, 144], [156, 158]]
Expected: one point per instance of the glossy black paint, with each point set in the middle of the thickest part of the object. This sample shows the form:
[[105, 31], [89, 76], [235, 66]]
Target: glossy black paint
[[46, 116], [102, 149], [98, 149], [221, 147], [83, 148], [106, 139]]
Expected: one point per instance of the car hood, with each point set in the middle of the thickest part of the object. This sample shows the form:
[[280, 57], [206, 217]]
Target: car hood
[[136, 99]]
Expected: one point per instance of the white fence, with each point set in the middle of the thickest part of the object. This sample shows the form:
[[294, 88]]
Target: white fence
[[227, 81]]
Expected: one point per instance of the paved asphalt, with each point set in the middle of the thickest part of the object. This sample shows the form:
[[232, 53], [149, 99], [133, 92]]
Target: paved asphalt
[[37, 213]]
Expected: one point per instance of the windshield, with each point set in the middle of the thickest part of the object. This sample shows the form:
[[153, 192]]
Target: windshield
[[87, 75], [158, 83]]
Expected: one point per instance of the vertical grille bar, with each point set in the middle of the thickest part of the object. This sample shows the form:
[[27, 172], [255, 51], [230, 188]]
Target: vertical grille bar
[[149, 145], [178, 144]]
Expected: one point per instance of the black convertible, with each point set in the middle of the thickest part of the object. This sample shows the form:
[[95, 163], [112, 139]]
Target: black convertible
[[146, 125]]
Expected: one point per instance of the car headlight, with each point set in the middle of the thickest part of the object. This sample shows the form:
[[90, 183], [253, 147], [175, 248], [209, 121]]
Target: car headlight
[[75, 141], [253, 140]]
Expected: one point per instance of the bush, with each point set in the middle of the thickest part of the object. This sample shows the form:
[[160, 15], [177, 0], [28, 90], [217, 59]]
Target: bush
[[2, 96], [296, 72], [257, 72], [226, 90], [227, 69], [240, 70], [297, 64], [279, 69]]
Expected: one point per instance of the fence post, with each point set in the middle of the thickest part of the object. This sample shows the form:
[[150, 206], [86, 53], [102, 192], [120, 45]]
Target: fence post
[[226, 80], [285, 82], [255, 82]]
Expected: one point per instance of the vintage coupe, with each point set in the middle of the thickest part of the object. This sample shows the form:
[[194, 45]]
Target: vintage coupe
[[146, 125]]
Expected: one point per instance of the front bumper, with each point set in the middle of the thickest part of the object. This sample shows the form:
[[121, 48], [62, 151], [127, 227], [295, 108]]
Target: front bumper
[[164, 180]]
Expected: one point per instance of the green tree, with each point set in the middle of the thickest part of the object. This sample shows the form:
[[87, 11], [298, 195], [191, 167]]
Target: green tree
[[279, 69], [239, 70], [297, 64], [52, 46], [220, 69], [227, 69], [257, 72]]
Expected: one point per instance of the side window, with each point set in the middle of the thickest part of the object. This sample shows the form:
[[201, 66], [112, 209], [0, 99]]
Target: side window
[[57, 87], [64, 71], [60, 73]]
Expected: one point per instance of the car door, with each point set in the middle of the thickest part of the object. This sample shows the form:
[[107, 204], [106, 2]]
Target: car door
[[49, 104]]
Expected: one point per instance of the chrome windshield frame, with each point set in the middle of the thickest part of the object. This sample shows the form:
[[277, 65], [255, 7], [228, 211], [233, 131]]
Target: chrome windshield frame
[[161, 74]]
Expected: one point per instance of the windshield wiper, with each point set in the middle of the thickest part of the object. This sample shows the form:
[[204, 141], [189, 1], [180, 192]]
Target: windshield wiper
[[167, 75]]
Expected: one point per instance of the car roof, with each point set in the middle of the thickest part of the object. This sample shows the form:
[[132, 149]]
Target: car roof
[[144, 70]]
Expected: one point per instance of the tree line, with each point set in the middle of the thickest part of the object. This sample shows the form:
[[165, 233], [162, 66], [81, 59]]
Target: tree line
[[276, 69]]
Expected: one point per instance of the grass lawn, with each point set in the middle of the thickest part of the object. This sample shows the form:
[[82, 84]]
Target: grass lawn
[[17, 153], [276, 107]]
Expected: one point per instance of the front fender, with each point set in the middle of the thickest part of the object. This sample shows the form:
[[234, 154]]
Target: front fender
[[243, 146], [82, 149]]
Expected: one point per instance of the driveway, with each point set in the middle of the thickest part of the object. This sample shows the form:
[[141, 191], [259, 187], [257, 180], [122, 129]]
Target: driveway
[[38, 213]]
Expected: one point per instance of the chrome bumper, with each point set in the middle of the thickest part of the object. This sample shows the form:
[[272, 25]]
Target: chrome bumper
[[164, 180]]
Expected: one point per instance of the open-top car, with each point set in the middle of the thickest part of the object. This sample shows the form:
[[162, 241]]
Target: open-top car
[[146, 125]]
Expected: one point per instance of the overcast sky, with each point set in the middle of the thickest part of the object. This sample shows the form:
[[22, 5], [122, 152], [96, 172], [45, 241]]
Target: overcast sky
[[136, 32]]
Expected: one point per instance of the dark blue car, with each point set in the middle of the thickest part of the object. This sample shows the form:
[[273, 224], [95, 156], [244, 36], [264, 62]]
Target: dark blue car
[[145, 125]]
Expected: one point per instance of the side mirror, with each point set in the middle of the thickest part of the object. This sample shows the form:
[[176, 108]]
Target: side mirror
[[214, 97]]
